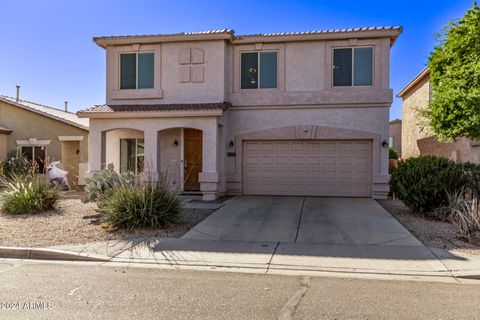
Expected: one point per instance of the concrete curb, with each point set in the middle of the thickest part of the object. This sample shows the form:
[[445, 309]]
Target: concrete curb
[[48, 254]]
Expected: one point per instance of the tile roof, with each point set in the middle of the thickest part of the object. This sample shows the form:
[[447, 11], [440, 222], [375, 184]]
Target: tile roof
[[232, 33], [157, 107], [220, 31], [276, 34], [57, 114]]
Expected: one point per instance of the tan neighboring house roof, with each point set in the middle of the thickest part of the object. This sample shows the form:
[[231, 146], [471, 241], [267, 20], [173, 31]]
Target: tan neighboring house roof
[[419, 78], [228, 34], [396, 121], [57, 114]]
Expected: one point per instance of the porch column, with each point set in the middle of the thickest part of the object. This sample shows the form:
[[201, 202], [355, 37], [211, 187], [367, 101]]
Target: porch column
[[151, 153], [96, 152], [209, 177]]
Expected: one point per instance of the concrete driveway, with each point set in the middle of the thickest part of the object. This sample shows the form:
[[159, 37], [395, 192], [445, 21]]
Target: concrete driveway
[[350, 221]]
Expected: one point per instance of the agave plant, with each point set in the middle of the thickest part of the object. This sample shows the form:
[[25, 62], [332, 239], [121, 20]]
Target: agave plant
[[29, 195], [466, 217]]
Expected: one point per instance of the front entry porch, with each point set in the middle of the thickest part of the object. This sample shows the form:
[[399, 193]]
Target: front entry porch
[[184, 152]]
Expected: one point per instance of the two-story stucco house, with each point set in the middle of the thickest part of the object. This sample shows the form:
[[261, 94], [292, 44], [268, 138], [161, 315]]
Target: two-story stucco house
[[268, 114]]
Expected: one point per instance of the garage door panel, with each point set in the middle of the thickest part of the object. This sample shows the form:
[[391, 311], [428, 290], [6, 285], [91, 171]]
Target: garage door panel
[[314, 168]]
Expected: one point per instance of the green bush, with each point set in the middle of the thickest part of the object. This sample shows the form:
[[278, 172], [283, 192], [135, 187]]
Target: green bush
[[14, 166], [102, 184], [29, 195], [472, 172], [392, 153], [424, 183], [142, 205]]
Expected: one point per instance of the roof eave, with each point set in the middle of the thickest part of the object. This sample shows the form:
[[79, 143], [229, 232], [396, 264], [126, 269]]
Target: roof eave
[[418, 78], [392, 34], [116, 41], [149, 114]]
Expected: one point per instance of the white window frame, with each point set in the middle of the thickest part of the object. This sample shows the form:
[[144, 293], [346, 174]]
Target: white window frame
[[353, 66], [136, 69], [258, 71], [44, 146], [32, 143]]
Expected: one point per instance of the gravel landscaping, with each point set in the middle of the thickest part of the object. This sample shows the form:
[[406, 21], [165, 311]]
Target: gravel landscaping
[[434, 234], [74, 222]]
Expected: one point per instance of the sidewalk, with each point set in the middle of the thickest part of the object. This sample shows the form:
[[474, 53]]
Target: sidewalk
[[266, 257]]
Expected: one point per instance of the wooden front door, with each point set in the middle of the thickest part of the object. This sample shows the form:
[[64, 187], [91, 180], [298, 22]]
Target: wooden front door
[[193, 145]]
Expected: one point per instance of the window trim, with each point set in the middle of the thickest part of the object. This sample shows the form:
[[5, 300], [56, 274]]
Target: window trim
[[136, 154], [259, 67], [353, 66], [136, 69], [43, 144]]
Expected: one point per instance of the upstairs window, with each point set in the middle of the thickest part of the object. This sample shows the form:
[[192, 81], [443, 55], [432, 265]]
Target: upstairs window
[[353, 67], [259, 70], [136, 70]]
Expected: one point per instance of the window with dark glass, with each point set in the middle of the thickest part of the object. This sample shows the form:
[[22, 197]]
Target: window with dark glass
[[353, 67], [259, 70], [35, 155], [132, 155], [137, 70]]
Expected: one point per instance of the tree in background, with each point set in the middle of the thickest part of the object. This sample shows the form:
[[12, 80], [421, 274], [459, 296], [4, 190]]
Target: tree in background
[[455, 78]]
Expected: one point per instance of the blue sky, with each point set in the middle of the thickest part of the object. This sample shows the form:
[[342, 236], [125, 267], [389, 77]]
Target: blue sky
[[46, 46]]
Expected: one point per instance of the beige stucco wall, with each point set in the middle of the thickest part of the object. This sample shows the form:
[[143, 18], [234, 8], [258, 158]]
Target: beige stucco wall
[[26, 124], [396, 134], [412, 130], [418, 140], [462, 150], [167, 85], [113, 144], [304, 75], [340, 123], [3, 145]]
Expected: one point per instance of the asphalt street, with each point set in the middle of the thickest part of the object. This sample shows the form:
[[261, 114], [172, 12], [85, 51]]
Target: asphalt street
[[72, 291]]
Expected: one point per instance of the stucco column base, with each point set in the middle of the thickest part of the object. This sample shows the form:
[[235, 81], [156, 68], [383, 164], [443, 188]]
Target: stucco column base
[[380, 186], [209, 185]]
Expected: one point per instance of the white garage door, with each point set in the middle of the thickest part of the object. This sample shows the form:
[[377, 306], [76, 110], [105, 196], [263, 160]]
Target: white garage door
[[308, 168]]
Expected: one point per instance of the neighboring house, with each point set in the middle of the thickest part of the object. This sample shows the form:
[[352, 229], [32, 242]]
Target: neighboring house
[[44, 134], [395, 138], [268, 114], [416, 140]]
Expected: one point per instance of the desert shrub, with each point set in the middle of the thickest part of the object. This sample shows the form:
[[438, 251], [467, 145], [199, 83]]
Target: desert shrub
[[466, 217], [102, 184], [142, 205], [424, 183], [392, 153], [14, 165], [29, 195], [472, 174]]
